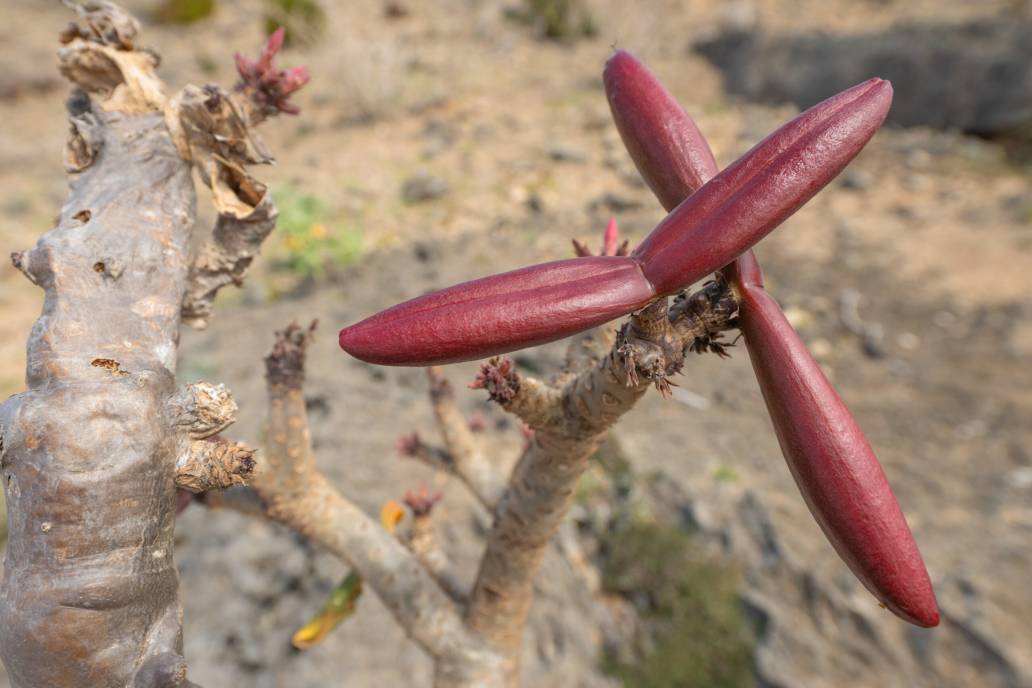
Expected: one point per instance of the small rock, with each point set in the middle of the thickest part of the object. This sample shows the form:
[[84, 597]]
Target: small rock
[[798, 318], [616, 203], [908, 341], [439, 136], [561, 152], [1020, 342], [855, 179], [753, 515], [919, 159], [820, 348], [423, 186], [690, 399], [944, 319], [900, 368], [1020, 478]]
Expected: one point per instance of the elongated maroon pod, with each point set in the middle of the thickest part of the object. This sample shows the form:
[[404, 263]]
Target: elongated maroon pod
[[723, 219], [743, 203], [833, 465], [664, 142], [831, 461], [501, 313]]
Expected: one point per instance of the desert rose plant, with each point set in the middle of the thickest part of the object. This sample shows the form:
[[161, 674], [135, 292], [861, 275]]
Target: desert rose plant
[[714, 219], [103, 449]]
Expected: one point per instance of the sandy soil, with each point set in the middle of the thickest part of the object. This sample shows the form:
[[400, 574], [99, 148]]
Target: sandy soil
[[931, 231]]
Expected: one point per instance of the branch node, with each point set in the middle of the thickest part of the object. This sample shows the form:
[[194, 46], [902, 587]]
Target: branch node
[[422, 502], [499, 377], [214, 464], [20, 260], [203, 409], [285, 364]]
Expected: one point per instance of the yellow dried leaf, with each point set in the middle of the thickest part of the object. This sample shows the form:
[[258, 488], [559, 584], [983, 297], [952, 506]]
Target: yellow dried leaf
[[391, 515], [339, 607]]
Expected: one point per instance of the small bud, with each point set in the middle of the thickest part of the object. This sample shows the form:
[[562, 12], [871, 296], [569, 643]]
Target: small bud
[[422, 502], [266, 85]]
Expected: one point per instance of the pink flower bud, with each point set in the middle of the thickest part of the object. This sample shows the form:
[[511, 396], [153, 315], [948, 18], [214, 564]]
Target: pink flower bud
[[272, 46]]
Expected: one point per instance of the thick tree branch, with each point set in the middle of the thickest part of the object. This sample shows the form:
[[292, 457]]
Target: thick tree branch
[[569, 424], [93, 450], [297, 494], [89, 595]]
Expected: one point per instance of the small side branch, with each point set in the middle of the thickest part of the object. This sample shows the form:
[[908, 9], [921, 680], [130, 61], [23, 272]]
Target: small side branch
[[568, 426], [423, 544], [224, 259], [215, 129], [211, 129], [297, 494], [485, 479], [202, 409]]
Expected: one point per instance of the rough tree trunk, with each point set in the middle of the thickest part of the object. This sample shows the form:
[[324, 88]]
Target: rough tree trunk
[[92, 453], [89, 596]]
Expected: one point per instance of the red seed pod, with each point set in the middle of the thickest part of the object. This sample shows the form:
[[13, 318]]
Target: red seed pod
[[832, 463], [501, 313], [548, 302], [742, 204], [663, 141]]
